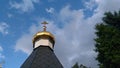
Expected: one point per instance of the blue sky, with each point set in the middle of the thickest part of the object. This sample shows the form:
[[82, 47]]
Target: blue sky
[[71, 21]]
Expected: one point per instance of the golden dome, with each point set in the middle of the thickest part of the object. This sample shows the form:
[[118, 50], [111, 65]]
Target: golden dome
[[43, 34]]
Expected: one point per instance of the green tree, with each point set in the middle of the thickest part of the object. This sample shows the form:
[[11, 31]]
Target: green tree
[[82, 66], [75, 65], [108, 41]]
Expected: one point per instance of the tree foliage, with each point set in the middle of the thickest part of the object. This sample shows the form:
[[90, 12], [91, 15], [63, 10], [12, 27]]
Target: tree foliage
[[108, 41], [76, 65]]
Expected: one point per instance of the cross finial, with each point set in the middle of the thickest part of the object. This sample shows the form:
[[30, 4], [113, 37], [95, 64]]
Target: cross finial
[[44, 25]]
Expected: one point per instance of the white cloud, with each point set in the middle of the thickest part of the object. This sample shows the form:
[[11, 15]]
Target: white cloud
[[108, 5], [1, 55], [1, 49], [24, 44], [75, 40], [9, 15], [50, 10], [25, 5], [90, 4], [3, 28]]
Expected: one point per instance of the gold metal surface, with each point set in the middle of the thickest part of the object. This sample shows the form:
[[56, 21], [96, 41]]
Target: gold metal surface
[[43, 33]]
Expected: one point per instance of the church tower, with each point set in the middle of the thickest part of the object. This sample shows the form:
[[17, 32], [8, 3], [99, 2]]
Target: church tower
[[43, 55]]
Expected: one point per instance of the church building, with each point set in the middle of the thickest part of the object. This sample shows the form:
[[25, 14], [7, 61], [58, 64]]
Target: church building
[[43, 55]]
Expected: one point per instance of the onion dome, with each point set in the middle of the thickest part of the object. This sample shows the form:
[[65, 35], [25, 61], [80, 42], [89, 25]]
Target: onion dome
[[44, 34]]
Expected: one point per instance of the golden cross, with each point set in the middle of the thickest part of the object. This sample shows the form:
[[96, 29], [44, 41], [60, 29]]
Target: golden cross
[[44, 25]]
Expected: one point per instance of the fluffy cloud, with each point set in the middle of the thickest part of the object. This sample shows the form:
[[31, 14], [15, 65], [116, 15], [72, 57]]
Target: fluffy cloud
[[108, 5], [1, 55], [90, 4], [25, 5], [74, 41], [22, 44], [25, 42], [3, 28], [9, 15], [1, 49], [50, 10]]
